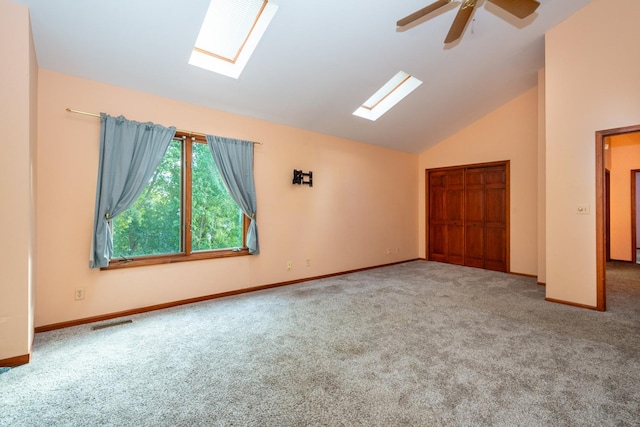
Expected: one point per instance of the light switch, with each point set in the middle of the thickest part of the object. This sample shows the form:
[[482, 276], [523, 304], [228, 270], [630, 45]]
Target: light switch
[[582, 209]]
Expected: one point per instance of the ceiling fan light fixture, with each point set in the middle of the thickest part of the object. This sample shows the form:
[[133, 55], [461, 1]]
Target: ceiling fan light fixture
[[518, 8], [385, 98]]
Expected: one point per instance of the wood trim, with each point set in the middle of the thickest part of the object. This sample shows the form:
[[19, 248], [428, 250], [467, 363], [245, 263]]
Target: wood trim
[[601, 284], [427, 197], [607, 214], [573, 304], [634, 240], [246, 222], [542, 284], [187, 196], [601, 299], [115, 264], [530, 276], [472, 165], [508, 215], [387, 95], [15, 361], [100, 318]]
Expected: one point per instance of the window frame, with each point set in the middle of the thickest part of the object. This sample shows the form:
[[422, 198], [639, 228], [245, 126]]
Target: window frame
[[187, 253]]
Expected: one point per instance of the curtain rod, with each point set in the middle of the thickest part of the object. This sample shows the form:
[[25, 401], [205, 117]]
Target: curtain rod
[[177, 130]]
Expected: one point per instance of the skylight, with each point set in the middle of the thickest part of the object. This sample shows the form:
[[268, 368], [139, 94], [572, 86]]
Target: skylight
[[400, 85], [230, 33]]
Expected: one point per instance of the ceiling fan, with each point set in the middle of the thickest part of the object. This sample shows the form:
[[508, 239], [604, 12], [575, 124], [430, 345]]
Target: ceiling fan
[[518, 8]]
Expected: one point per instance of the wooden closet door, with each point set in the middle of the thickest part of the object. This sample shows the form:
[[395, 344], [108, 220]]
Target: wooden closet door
[[437, 217], [468, 216], [446, 216], [485, 218], [474, 220], [495, 199]]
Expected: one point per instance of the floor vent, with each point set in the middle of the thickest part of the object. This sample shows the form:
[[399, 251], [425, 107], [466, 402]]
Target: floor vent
[[110, 324]]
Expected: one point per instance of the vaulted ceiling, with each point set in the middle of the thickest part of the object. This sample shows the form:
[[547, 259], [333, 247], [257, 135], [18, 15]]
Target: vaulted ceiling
[[317, 62]]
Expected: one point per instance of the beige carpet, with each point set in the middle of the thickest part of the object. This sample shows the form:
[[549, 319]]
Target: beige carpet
[[416, 344]]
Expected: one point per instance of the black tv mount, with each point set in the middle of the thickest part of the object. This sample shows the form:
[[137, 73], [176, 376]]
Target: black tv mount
[[298, 178]]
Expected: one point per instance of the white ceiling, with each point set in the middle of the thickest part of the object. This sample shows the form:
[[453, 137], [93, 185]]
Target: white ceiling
[[318, 61]]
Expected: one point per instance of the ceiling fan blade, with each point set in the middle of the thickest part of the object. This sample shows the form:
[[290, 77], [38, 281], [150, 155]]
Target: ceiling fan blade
[[519, 8], [422, 12], [459, 24]]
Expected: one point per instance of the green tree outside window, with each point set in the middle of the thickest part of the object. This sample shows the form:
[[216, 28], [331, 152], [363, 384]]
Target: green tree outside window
[[154, 224]]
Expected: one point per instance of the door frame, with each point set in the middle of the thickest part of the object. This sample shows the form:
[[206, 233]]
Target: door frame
[[634, 218], [601, 280], [607, 213], [507, 165]]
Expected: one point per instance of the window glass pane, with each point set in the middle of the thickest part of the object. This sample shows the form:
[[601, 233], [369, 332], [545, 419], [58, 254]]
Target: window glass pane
[[216, 219], [151, 226]]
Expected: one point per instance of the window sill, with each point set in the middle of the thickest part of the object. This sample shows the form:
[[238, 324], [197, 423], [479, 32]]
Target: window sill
[[115, 264]]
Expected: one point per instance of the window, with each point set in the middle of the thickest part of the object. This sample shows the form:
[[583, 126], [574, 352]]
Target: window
[[230, 33], [392, 92], [184, 213]]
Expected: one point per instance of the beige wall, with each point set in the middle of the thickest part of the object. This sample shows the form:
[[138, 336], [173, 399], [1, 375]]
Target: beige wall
[[363, 202], [625, 156], [592, 84], [508, 133], [18, 89]]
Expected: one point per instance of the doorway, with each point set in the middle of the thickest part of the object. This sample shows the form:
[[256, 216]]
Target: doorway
[[602, 218], [635, 207]]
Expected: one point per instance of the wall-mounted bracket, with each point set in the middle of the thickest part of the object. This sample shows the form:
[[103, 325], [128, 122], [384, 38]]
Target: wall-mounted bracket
[[298, 177]]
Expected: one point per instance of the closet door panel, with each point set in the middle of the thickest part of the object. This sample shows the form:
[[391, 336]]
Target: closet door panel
[[474, 247], [438, 243], [474, 205], [474, 217], [437, 217], [495, 251], [495, 206], [474, 227], [496, 219], [454, 201], [495, 176], [455, 244]]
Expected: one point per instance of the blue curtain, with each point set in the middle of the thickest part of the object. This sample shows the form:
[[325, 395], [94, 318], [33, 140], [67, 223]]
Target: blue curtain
[[234, 159], [130, 152]]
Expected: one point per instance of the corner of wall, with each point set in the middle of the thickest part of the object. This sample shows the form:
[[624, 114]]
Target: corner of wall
[[542, 242], [17, 112]]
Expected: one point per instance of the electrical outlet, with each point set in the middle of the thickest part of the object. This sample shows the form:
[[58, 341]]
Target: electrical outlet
[[288, 265], [79, 295], [388, 251], [308, 262]]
